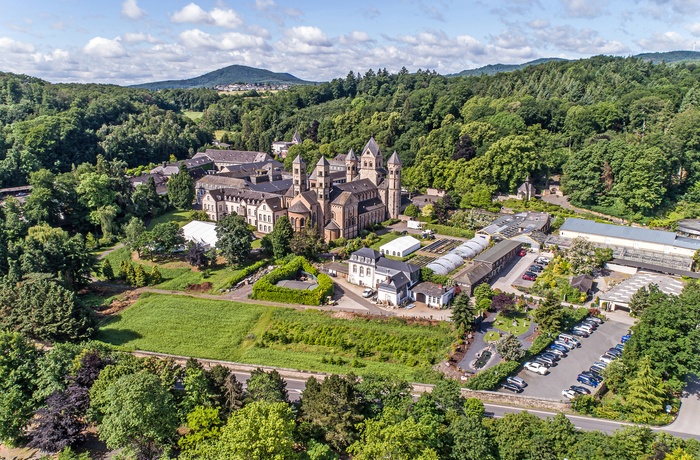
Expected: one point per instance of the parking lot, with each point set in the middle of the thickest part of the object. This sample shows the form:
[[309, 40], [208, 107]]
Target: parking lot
[[564, 374]]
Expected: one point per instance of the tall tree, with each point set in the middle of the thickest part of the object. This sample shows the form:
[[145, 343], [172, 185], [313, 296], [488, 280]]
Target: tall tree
[[471, 440], [510, 348], [281, 237], [181, 189], [139, 415], [267, 386], [234, 238], [549, 315], [646, 394], [17, 384]]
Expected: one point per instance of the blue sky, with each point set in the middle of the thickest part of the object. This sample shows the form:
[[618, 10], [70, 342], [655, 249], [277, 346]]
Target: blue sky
[[134, 41]]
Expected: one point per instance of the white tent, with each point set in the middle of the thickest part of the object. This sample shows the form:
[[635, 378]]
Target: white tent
[[203, 233], [400, 247]]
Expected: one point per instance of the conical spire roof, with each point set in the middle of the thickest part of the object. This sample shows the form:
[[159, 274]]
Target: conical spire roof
[[322, 161], [372, 146], [351, 156], [298, 160], [394, 159], [296, 137]]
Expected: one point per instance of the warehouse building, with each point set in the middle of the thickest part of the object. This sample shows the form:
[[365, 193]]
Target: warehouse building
[[486, 265]]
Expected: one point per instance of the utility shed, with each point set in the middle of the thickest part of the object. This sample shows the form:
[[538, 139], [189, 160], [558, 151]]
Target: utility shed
[[200, 232], [400, 247]]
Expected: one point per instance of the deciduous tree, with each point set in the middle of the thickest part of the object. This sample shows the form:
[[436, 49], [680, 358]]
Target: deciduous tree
[[234, 238], [181, 189]]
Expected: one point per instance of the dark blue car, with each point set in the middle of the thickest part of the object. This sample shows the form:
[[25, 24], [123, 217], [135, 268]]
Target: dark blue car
[[562, 348], [625, 338], [587, 380]]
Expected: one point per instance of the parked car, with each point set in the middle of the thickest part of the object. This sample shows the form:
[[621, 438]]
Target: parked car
[[536, 268], [600, 364], [596, 369], [556, 346], [544, 363], [511, 387], [561, 354], [367, 292], [569, 339], [542, 261], [607, 358], [548, 361], [579, 389], [568, 345], [595, 319], [580, 333], [537, 368], [522, 253], [593, 375], [569, 393], [587, 381], [614, 351], [529, 277], [550, 355], [625, 338], [620, 346], [517, 381], [592, 324], [584, 327]]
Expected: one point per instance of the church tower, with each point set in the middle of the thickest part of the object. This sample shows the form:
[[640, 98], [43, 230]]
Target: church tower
[[350, 166], [393, 204], [323, 187], [371, 162], [299, 175]]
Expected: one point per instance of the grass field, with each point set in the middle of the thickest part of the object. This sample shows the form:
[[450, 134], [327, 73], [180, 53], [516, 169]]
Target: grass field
[[194, 116], [505, 323], [179, 217], [178, 274], [245, 333], [384, 239]]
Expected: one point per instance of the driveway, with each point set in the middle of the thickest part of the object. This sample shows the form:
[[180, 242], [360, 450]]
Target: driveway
[[564, 374], [513, 271], [687, 420]]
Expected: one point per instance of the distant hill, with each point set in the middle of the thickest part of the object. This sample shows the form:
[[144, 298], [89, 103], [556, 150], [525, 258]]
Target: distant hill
[[493, 69], [670, 57], [228, 75]]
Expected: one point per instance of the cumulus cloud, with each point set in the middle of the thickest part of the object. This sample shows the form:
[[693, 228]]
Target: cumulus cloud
[[197, 39], [694, 29], [308, 35], [193, 13], [8, 45], [583, 8], [354, 37], [104, 47], [264, 4], [667, 41], [538, 24], [138, 37], [683, 7], [55, 55], [578, 41], [131, 10]]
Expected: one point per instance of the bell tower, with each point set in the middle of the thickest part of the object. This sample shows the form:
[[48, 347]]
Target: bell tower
[[299, 175], [393, 204]]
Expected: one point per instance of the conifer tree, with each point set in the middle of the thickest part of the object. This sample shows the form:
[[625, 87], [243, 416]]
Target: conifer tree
[[140, 276], [107, 270], [646, 394], [156, 277]]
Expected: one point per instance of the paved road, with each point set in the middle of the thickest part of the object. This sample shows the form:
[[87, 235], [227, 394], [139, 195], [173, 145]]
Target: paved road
[[688, 420]]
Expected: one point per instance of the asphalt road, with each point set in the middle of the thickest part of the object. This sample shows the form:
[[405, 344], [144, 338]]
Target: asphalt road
[[296, 386], [564, 374]]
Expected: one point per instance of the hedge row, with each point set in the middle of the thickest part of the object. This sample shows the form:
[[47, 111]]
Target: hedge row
[[491, 377], [266, 288], [450, 231], [246, 272]]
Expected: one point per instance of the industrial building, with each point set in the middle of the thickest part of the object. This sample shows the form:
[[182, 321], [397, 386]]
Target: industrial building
[[486, 265]]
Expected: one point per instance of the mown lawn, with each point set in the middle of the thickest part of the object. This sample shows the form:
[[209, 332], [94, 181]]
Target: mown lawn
[[384, 239], [179, 217], [194, 116], [251, 334]]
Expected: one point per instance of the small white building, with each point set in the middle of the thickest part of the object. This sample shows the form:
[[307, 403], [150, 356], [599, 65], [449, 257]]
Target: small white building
[[400, 247], [200, 232], [433, 295]]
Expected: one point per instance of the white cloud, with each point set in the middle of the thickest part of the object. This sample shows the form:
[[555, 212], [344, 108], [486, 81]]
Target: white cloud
[[196, 39], [538, 24], [131, 10], [138, 37], [55, 55], [104, 47], [583, 8], [308, 35], [193, 13], [667, 41], [8, 45], [694, 29], [264, 4], [354, 37], [579, 41]]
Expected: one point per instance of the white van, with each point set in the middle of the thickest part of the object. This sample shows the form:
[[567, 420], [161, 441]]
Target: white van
[[585, 327], [570, 339]]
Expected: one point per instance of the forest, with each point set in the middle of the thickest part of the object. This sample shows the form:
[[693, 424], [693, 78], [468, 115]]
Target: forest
[[620, 132]]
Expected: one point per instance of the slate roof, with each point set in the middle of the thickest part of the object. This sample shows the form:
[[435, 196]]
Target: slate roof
[[473, 274], [630, 233], [332, 226], [496, 253], [367, 252], [299, 208], [278, 187], [296, 137], [218, 180], [235, 156], [322, 161], [342, 198], [394, 159], [398, 281], [298, 160], [356, 186], [370, 205], [350, 156], [372, 147], [397, 265], [583, 283], [430, 289]]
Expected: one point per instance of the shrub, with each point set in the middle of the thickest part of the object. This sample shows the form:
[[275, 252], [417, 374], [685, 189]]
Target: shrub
[[491, 377], [450, 231], [244, 273], [541, 342], [266, 288]]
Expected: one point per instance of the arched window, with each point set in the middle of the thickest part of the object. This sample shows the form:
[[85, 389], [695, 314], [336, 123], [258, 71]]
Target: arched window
[[301, 222]]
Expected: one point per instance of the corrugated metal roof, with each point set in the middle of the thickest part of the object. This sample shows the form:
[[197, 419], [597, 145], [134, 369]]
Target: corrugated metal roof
[[630, 233], [497, 251]]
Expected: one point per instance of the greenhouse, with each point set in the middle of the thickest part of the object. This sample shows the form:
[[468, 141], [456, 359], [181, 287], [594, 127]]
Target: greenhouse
[[456, 257]]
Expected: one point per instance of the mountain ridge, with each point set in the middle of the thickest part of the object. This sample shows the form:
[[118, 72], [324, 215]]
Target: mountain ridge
[[227, 75]]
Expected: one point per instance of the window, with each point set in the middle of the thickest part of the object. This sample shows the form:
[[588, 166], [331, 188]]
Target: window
[[362, 271], [354, 268], [369, 272]]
